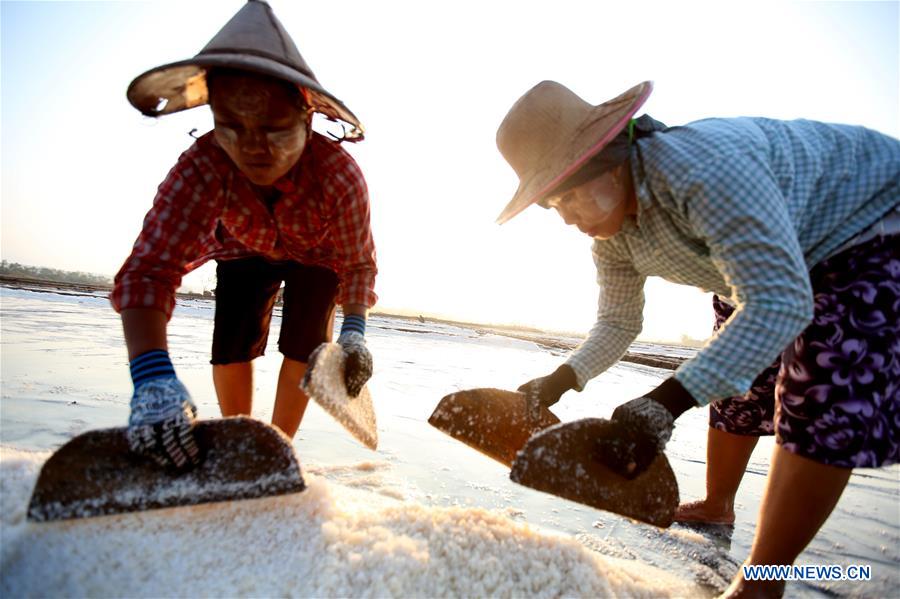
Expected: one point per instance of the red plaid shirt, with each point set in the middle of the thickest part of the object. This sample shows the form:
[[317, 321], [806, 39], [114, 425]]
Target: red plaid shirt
[[206, 208]]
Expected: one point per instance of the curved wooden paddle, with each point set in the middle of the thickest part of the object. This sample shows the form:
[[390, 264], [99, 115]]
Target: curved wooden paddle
[[493, 421], [324, 382], [558, 461], [95, 474]]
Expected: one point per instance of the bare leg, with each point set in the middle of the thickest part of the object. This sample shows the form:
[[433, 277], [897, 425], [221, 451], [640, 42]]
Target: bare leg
[[800, 495], [234, 387], [290, 400], [727, 456]]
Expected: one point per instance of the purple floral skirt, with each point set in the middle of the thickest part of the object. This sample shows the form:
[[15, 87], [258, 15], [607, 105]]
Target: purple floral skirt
[[834, 394]]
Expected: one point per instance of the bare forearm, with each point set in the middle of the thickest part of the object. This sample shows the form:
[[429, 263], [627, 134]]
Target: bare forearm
[[355, 309], [144, 329]]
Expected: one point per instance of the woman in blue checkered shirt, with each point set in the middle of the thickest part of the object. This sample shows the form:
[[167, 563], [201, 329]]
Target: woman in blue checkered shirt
[[793, 225]]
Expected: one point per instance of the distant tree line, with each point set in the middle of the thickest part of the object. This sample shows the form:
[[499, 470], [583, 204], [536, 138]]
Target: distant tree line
[[14, 269], [689, 341]]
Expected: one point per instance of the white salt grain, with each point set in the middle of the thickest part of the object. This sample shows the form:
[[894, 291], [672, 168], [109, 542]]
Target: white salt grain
[[327, 541]]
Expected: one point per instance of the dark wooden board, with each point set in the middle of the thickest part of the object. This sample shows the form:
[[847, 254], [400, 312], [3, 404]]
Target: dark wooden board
[[95, 474], [559, 461], [493, 421]]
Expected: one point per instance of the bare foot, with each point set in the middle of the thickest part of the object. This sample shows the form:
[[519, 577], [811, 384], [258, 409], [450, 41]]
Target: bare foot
[[740, 588], [701, 511]]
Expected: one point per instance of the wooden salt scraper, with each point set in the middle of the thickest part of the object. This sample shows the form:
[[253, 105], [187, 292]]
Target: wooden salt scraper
[[493, 421], [95, 474], [555, 458], [325, 384], [558, 461]]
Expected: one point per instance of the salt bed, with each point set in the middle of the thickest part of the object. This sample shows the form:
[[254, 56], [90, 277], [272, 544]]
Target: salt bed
[[64, 372], [330, 540]]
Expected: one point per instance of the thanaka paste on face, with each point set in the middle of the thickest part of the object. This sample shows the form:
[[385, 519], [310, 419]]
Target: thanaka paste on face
[[251, 102], [249, 99], [596, 207], [287, 139], [597, 190]]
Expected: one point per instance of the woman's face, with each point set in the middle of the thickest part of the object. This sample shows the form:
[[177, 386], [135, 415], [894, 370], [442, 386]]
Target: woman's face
[[599, 206], [259, 125]]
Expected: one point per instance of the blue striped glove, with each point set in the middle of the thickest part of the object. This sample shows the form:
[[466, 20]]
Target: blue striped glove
[[357, 359], [160, 426]]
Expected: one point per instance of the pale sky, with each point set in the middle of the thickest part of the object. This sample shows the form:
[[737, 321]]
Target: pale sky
[[431, 82]]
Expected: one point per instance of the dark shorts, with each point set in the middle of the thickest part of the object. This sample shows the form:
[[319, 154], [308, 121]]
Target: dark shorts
[[834, 394], [246, 290], [754, 412]]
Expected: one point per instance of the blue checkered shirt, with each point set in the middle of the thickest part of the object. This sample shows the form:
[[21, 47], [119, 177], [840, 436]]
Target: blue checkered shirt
[[744, 208]]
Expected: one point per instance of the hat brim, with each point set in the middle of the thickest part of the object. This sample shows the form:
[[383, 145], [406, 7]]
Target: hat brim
[[594, 134], [182, 85]]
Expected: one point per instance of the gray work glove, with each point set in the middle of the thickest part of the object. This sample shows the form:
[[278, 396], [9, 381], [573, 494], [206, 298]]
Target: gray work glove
[[545, 391], [641, 428], [357, 361], [161, 423]]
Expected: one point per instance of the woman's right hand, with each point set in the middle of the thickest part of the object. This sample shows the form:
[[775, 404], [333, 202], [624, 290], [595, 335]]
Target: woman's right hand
[[545, 391], [161, 424]]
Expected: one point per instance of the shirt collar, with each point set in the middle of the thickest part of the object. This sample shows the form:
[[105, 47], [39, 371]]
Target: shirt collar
[[286, 183], [641, 191], [292, 180]]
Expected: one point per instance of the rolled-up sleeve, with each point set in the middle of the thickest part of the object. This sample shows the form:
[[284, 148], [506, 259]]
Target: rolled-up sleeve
[[620, 310], [356, 263], [174, 234]]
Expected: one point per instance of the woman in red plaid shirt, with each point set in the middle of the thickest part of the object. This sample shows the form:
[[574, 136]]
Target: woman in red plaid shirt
[[269, 200]]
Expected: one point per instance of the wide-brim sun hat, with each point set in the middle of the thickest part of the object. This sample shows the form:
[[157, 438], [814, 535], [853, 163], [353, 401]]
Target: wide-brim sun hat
[[253, 40], [550, 133]]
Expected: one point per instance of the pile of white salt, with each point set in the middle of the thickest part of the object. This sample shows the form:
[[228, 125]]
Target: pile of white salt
[[330, 540]]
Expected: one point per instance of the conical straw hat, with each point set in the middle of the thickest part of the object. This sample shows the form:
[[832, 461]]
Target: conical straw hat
[[550, 133], [253, 40]]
